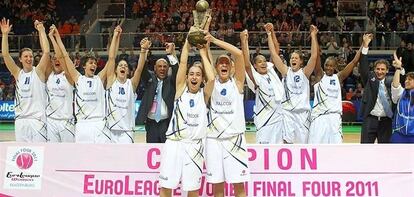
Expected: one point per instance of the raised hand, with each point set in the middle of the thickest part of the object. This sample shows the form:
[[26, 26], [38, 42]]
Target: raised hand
[[52, 30], [366, 39], [209, 38], [5, 26], [170, 47], [145, 43], [313, 30], [118, 30], [397, 62], [39, 26], [268, 27], [244, 36]]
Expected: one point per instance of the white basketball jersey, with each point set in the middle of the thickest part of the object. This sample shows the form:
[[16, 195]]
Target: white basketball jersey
[[269, 91], [31, 98], [328, 98], [121, 106], [189, 118], [60, 97], [89, 98], [226, 114], [297, 91]]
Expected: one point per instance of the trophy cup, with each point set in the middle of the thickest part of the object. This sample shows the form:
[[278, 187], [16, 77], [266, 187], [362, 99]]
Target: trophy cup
[[200, 15]]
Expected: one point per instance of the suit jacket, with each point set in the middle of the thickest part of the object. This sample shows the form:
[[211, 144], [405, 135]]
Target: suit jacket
[[150, 81], [371, 87]]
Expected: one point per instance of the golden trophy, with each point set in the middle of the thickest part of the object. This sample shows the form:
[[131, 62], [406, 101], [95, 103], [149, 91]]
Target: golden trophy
[[201, 16]]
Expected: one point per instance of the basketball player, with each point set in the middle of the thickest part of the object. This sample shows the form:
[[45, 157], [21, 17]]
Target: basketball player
[[59, 110], [296, 97], [269, 91], [90, 95], [403, 124], [183, 152], [121, 95], [31, 98], [326, 125], [226, 156]]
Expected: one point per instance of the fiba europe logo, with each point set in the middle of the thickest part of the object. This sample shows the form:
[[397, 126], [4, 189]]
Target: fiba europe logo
[[24, 160]]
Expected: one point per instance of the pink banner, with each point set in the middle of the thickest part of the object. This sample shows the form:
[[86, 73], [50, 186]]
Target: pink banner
[[276, 170]]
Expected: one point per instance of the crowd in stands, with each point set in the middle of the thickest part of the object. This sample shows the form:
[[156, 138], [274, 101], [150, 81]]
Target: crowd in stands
[[66, 15], [286, 15]]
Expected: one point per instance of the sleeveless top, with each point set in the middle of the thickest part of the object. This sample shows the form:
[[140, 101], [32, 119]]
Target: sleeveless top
[[30, 96], [89, 98], [121, 106], [189, 117], [226, 113], [60, 97]]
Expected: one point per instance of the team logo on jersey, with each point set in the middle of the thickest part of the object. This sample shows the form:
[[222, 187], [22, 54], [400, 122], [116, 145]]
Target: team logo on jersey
[[296, 78], [191, 102], [332, 82], [223, 92]]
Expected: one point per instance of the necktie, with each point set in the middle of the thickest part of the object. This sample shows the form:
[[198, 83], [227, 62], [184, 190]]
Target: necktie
[[159, 102], [384, 100]]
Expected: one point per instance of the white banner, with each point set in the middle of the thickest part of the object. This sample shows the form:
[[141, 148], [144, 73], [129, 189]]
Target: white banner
[[276, 170]]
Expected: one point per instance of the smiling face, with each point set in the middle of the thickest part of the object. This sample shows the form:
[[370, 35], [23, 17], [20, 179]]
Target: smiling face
[[409, 81], [57, 68], [260, 64], [296, 61], [161, 68], [122, 70], [223, 67], [330, 66], [90, 67], [26, 58], [194, 77], [381, 69]]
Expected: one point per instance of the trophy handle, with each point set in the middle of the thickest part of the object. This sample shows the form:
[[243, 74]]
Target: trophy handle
[[206, 16]]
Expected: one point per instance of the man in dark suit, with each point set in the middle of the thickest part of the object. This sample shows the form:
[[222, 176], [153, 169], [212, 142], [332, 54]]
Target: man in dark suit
[[158, 99], [376, 105]]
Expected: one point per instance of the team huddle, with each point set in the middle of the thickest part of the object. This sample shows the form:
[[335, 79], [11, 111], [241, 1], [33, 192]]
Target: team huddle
[[205, 119]]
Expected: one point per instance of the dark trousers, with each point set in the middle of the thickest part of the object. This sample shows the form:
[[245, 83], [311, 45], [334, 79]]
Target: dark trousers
[[156, 130], [374, 128]]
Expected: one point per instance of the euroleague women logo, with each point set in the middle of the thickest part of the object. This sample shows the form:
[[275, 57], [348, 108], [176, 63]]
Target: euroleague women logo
[[24, 167], [24, 161]]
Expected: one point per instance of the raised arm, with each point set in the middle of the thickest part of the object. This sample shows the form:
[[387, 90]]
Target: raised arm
[[44, 62], [314, 52], [318, 69], [397, 63], [343, 74], [209, 73], [8, 60], [182, 69], [58, 52], [274, 38], [244, 41], [363, 63], [207, 45], [110, 64], [108, 73], [68, 66], [173, 60], [277, 61], [396, 89], [145, 45], [239, 74]]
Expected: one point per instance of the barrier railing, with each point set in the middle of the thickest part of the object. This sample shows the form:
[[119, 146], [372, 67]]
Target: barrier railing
[[79, 42]]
